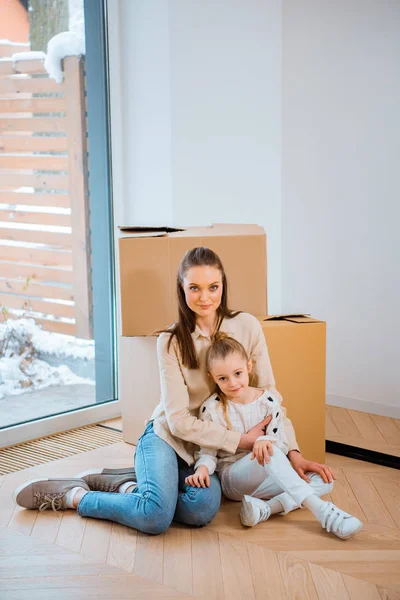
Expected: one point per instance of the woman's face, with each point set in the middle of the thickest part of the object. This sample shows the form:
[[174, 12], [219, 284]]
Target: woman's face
[[203, 289]]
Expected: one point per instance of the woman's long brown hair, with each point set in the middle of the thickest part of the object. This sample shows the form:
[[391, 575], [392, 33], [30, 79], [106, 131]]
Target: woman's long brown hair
[[186, 323]]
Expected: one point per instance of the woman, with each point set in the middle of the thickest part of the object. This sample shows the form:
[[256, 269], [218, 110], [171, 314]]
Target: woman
[[164, 455]]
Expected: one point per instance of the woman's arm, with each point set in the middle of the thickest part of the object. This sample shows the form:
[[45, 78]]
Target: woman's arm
[[264, 377], [175, 399], [207, 456]]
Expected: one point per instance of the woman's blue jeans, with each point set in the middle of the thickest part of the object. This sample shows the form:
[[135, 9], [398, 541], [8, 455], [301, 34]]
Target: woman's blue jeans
[[161, 495]]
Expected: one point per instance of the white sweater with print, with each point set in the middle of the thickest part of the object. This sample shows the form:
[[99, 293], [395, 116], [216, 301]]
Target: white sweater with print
[[242, 417]]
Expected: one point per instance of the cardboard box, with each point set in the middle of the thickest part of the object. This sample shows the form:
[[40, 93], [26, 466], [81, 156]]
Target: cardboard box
[[140, 390], [297, 349], [149, 259]]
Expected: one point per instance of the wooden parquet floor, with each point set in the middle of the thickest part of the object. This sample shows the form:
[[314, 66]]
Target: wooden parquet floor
[[363, 430], [60, 555]]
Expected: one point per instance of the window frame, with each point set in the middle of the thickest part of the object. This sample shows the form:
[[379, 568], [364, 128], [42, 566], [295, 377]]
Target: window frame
[[102, 243]]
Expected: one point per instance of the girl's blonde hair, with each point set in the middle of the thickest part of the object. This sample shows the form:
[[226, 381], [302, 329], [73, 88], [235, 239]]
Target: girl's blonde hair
[[222, 345]]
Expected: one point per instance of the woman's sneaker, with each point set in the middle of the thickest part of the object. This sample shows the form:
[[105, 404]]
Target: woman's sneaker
[[43, 494], [338, 522], [107, 480], [254, 511]]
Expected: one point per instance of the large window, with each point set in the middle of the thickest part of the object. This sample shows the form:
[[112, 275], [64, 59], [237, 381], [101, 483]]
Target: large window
[[57, 328]]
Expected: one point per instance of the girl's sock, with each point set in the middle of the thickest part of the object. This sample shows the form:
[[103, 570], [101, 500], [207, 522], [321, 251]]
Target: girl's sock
[[275, 506], [127, 487], [69, 496], [314, 504]]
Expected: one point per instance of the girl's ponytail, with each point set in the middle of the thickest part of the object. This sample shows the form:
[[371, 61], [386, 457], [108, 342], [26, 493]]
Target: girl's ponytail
[[222, 345], [218, 336]]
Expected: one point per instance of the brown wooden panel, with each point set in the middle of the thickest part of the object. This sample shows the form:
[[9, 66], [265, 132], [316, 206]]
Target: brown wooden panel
[[7, 50], [12, 143], [58, 200], [36, 218], [43, 124], [48, 182], [35, 290], [32, 105], [15, 85], [38, 237], [25, 96], [43, 163], [51, 257], [8, 67], [47, 308], [56, 326], [79, 194], [38, 273]]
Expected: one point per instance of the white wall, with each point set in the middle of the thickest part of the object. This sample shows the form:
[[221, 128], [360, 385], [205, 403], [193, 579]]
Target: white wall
[[199, 139], [143, 74], [341, 192], [198, 122]]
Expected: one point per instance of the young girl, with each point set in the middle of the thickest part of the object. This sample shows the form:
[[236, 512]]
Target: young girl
[[264, 480]]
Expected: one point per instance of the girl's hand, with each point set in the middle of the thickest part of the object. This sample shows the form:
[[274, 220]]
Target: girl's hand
[[201, 478], [262, 450], [248, 439], [302, 466]]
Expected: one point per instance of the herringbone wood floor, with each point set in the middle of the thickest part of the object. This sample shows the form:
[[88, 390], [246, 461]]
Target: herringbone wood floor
[[355, 428], [61, 555]]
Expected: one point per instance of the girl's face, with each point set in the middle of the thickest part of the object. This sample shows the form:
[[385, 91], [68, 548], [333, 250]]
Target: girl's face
[[231, 375], [203, 290]]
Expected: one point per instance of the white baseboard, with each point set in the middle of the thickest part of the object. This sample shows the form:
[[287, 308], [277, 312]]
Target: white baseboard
[[374, 408]]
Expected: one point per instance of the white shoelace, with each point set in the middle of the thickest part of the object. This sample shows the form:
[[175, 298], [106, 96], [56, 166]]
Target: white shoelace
[[45, 501]]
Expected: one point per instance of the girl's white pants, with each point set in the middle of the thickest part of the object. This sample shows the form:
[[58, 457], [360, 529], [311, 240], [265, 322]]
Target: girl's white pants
[[276, 479]]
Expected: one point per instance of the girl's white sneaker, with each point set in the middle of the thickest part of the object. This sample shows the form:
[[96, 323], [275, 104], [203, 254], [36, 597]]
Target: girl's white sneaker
[[338, 522], [254, 511]]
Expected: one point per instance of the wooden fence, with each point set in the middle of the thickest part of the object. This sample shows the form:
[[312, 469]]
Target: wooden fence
[[45, 258], [8, 48]]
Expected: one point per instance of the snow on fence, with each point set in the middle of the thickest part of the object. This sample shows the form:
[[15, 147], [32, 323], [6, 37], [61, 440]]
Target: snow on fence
[[44, 206], [8, 48]]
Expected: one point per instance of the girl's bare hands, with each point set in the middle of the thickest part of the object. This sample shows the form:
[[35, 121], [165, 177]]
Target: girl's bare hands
[[248, 439], [201, 478], [262, 450]]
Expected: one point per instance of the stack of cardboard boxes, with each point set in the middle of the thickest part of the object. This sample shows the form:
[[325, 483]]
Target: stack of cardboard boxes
[[149, 261]]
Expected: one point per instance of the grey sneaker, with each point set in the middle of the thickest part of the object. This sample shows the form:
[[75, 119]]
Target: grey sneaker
[[41, 494], [108, 480]]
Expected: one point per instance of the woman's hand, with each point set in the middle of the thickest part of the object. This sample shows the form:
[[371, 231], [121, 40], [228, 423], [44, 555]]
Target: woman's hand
[[248, 439], [262, 450], [302, 466], [201, 478]]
